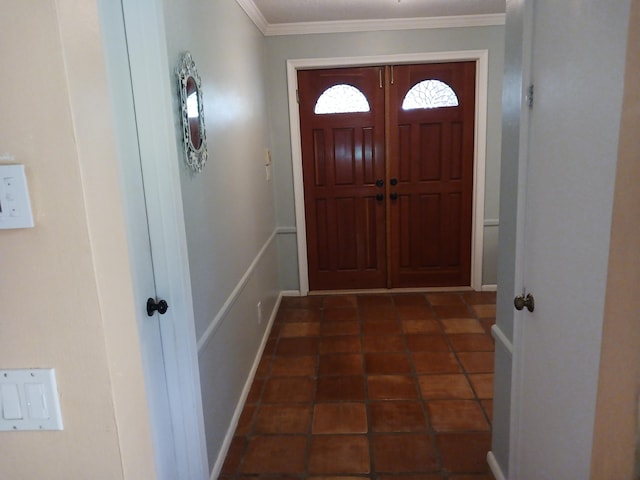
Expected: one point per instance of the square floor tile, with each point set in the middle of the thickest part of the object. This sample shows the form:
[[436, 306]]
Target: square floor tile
[[456, 415], [374, 301], [387, 363], [391, 387], [245, 422], [334, 329], [383, 312], [275, 454], [421, 326], [444, 298], [341, 364], [472, 342], [479, 298], [298, 315], [433, 476], [465, 452], [377, 343], [288, 390], [263, 367], [339, 454], [309, 302], [341, 344], [255, 392], [234, 455], [407, 299], [487, 406], [414, 312], [340, 301], [303, 366], [461, 325], [452, 311], [297, 346], [484, 311], [340, 388], [397, 417], [477, 362], [381, 327], [439, 387], [300, 329], [339, 418], [435, 362], [430, 343], [282, 419], [482, 384], [340, 315], [410, 452]]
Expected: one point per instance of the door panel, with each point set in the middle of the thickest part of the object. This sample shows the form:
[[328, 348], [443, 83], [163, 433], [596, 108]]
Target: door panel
[[431, 156]]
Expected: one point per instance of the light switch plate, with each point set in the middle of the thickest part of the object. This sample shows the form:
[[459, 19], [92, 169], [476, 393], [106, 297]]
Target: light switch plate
[[29, 400], [15, 205]]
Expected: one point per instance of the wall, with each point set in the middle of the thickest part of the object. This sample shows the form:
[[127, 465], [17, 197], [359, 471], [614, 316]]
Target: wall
[[281, 48], [229, 207], [65, 288]]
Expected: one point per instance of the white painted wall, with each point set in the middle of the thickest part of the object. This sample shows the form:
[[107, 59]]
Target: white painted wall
[[282, 48]]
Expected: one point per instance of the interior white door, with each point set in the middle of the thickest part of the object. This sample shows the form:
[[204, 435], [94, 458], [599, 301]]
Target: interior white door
[[577, 72]]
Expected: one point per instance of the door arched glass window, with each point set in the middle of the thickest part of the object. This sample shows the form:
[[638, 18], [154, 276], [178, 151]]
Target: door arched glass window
[[430, 94], [341, 98]]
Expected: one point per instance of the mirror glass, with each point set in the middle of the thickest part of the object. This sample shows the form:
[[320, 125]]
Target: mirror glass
[[193, 113], [194, 132]]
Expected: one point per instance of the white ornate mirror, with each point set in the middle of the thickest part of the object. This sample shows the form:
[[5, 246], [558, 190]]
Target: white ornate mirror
[[192, 113]]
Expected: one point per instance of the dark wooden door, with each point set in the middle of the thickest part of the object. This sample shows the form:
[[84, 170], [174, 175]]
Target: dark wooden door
[[430, 174], [403, 222], [342, 159]]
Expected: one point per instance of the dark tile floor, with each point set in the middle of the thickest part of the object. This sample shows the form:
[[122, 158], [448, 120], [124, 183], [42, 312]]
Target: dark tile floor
[[387, 387]]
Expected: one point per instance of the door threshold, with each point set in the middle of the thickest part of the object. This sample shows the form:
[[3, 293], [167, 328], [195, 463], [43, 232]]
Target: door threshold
[[368, 291]]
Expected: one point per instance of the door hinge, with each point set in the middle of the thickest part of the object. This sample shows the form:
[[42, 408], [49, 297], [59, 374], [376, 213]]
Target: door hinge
[[529, 96]]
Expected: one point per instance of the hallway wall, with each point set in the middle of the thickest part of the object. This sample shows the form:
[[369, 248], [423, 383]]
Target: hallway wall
[[282, 48]]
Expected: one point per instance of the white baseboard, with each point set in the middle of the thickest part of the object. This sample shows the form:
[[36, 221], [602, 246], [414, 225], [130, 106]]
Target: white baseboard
[[215, 473], [495, 467], [489, 288]]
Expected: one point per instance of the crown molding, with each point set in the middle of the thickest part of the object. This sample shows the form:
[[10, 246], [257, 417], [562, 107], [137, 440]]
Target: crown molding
[[254, 14]]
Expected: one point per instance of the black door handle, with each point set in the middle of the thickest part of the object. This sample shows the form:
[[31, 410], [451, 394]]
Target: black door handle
[[393, 181], [379, 197], [393, 196], [379, 182], [161, 307]]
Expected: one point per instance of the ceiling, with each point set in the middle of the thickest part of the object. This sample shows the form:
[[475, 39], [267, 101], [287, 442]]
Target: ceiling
[[277, 17]]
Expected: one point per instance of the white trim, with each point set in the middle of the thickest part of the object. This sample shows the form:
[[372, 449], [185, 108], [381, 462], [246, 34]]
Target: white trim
[[215, 472], [290, 293], [231, 299], [499, 335], [481, 57], [254, 14], [495, 466], [286, 230], [491, 222], [492, 287]]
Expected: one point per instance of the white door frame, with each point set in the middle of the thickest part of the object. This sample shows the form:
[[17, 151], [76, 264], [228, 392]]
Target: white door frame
[[481, 57], [142, 21]]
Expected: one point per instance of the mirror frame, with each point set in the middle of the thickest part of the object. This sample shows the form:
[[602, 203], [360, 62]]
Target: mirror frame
[[195, 157]]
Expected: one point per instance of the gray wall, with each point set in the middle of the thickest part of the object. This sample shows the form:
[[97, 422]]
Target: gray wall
[[229, 207], [282, 48]]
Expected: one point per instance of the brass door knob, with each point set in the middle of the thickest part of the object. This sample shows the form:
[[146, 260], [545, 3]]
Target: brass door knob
[[521, 301]]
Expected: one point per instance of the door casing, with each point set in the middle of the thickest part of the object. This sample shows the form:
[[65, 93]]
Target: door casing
[[481, 57]]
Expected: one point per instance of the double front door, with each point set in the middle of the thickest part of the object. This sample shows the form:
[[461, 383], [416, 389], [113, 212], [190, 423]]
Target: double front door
[[387, 157]]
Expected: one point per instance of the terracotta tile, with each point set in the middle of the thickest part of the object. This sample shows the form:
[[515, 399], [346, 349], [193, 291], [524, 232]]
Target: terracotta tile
[[234, 455], [381, 327], [288, 390], [464, 452], [309, 301], [414, 312], [472, 342], [275, 331], [391, 387], [407, 299], [335, 477], [487, 406], [435, 362], [433, 476], [332, 329], [342, 344], [482, 384], [339, 418], [378, 313], [275, 454], [431, 343], [297, 346], [340, 301], [377, 343], [387, 363], [452, 311], [434, 387], [484, 311], [365, 301], [342, 388], [477, 362], [245, 422], [479, 298], [444, 299], [297, 315], [270, 347], [255, 391], [461, 325], [303, 366], [411, 452], [282, 419], [340, 315], [397, 417], [410, 327], [341, 364], [263, 367], [300, 329], [456, 415], [339, 454], [487, 476], [487, 323]]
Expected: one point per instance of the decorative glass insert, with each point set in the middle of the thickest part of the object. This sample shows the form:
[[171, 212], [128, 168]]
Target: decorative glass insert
[[341, 99], [430, 94]]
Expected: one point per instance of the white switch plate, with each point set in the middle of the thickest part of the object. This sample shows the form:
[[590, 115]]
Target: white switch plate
[[29, 400], [15, 206]]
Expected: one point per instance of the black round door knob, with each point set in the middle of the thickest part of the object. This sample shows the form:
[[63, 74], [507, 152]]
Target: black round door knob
[[152, 306], [379, 183], [393, 196], [393, 181], [379, 197]]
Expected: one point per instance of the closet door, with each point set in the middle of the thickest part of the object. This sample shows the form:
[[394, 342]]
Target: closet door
[[430, 173], [342, 132]]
